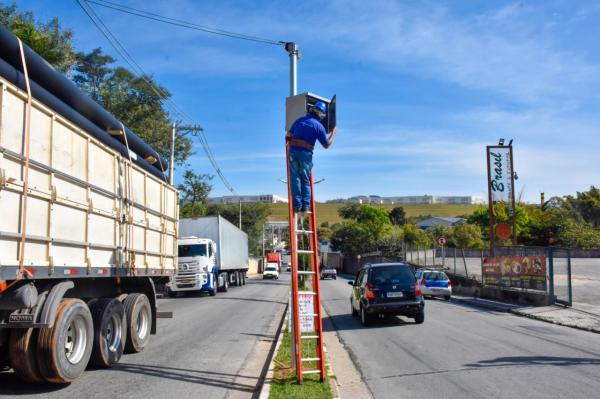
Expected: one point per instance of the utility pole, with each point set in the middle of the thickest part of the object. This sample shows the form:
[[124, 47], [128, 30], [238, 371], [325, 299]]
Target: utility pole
[[194, 129], [294, 52], [240, 213]]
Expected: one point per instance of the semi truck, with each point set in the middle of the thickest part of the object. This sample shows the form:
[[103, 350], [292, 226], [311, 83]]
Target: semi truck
[[213, 256], [87, 226], [274, 258]]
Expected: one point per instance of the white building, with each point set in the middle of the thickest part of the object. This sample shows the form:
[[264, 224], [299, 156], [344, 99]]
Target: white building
[[416, 199], [247, 199]]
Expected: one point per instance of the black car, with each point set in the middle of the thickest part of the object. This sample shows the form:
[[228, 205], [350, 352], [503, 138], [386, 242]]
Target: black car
[[386, 289]]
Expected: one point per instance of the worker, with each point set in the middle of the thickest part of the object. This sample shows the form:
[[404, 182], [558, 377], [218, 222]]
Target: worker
[[302, 136]]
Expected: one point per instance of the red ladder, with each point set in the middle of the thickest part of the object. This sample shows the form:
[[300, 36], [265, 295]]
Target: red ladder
[[311, 273]]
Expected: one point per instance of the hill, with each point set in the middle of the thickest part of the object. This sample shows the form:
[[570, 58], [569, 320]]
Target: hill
[[328, 212]]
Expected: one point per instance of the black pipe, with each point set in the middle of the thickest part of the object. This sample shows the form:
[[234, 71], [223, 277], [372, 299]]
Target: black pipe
[[57, 84], [17, 78]]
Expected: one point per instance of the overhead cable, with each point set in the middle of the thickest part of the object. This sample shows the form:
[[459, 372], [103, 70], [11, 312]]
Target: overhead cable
[[164, 97]]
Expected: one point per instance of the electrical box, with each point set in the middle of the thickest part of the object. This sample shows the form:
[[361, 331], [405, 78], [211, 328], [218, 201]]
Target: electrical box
[[298, 105]]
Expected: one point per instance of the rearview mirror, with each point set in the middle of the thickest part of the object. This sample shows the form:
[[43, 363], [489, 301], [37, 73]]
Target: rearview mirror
[[350, 282]]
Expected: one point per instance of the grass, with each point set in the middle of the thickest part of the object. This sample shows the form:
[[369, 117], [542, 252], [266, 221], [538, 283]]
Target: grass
[[328, 212], [284, 385]]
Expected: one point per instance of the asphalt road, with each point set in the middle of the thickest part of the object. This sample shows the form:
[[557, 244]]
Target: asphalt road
[[208, 350], [465, 352]]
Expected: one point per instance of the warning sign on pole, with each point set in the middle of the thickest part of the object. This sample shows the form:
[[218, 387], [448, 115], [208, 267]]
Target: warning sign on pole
[[307, 307]]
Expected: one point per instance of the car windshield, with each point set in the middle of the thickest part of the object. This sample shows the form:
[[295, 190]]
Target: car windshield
[[192, 250], [391, 274], [435, 276], [271, 269]]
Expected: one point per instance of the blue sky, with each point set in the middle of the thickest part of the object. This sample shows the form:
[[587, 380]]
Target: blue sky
[[422, 87]]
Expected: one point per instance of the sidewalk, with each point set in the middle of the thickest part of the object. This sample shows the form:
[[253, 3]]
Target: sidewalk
[[581, 316]]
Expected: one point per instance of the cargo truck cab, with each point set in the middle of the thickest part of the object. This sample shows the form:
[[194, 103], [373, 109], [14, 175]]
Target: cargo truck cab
[[196, 267]]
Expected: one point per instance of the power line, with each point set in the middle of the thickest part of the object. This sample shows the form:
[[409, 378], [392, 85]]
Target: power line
[[89, 11], [182, 23]]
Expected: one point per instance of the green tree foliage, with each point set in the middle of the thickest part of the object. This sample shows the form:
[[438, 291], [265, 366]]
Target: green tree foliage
[[467, 235], [587, 203], [351, 238], [375, 220], [440, 231], [415, 236], [254, 217], [481, 218], [398, 216], [47, 39], [194, 190], [132, 100]]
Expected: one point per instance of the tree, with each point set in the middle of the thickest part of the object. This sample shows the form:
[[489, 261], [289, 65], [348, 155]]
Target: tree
[[195, 189], [132, 100], [375, 220], [467, 235], [398, 216], [415, 236], [440, 231], [587, 203], [352, 238], [47, 39]]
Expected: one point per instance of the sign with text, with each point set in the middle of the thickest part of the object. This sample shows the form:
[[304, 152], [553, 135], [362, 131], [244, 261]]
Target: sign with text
[[306, 307], [525, 272], [500, 174]]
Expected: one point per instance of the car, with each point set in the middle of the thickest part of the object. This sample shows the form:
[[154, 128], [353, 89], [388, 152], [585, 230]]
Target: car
[[328, 272], [434, 283], [386, 289], [288, 268], [271, 272]]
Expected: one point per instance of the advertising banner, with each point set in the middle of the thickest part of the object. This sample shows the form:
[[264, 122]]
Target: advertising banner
[[525, 272], [500, 174]]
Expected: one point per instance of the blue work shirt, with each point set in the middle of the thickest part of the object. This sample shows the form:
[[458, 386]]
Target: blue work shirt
[[308, 129]]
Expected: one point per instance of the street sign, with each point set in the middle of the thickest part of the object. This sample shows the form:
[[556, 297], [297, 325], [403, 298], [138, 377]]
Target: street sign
[[442, 240], [503, 231]]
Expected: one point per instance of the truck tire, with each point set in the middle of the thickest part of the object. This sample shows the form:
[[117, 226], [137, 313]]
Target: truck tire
[[225, 286], [243, 278], [110, 332], [22, 354], [64, 349], [139, 322]]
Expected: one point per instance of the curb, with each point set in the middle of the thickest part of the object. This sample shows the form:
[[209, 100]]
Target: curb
[[486, 304], [535, 317], [265, 390]]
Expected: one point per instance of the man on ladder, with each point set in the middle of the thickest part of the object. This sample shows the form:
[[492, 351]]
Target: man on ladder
[[302, 136]]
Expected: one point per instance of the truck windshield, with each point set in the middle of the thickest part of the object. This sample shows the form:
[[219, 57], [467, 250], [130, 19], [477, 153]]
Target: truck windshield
[[192, 250], [271, 268]]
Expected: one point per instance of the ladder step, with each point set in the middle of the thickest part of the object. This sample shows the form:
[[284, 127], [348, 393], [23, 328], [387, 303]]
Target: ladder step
[[303, 272], [311, 371], [304, 232], [309, 337], [308, 315], [311, 359], [305, 251]]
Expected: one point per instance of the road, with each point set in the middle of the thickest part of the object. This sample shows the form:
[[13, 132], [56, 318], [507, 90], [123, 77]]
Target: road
[[214, 347], [465, 352]]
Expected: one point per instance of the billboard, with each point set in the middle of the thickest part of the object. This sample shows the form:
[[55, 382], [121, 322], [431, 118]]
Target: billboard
[[500, 174], [525, 272]]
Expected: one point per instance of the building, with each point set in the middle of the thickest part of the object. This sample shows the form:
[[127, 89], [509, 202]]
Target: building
[[436, 221], [247, 199], [414, 199]]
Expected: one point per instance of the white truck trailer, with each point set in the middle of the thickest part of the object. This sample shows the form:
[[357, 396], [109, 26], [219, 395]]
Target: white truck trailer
[[213, 255], [84, 234]]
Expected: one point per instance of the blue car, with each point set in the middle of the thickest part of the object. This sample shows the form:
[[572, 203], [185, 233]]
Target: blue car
[[434, 283]]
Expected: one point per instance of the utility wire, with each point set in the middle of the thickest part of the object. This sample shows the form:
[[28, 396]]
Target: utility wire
[[182, 23], [89, 11]]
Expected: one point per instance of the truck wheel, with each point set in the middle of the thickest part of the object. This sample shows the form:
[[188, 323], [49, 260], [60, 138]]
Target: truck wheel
[[139, 320], [22, 354], [243, 278], [64, 349], [110, 332], [225, 285]]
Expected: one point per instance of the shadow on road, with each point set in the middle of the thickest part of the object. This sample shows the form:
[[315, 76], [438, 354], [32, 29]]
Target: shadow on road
[[535, 361], [267, 282], [11, 385], [246, 299], [348, 322]]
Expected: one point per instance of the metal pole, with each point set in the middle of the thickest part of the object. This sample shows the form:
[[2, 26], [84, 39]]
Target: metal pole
[[172, 161], [512, 186], [240, 213], [292, 49]]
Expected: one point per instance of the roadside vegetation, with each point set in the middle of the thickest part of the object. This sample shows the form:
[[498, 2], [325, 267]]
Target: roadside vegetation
[[284, 385]]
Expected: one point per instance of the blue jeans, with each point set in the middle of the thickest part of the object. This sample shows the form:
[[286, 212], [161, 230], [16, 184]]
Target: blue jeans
[[300, 168]]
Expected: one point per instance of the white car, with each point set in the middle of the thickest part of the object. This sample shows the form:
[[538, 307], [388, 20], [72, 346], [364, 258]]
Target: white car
[[271, 271], [434, 283]]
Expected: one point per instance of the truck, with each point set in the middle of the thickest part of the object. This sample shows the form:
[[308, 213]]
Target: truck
[[273, 258], [87, 227], [213, 256]]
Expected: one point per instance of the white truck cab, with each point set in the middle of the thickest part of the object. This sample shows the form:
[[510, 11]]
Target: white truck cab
[[196, 266], [271, 271]]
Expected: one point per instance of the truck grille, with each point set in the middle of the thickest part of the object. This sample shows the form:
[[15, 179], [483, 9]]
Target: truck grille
[[188, 268]]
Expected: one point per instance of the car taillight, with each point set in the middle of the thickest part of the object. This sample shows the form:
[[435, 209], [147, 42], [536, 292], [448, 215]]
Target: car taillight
[[369, 291], [449, 283], [423, 282], [418, 289]]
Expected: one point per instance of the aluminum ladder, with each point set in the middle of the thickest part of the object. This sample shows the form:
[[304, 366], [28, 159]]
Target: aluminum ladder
[[309, 275]]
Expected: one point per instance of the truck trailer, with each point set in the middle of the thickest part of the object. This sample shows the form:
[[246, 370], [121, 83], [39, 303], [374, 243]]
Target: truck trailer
[[213, 255], [85, 232]]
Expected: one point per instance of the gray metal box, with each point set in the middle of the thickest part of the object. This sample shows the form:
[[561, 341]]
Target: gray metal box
[[298, 105]]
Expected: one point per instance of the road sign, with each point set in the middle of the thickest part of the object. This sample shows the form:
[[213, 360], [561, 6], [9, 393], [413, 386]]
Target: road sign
[[503, 231], [442, 240]]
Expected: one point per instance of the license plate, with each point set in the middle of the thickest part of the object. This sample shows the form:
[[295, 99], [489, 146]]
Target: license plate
[[395, 295], [185, 281], [20, 318]]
